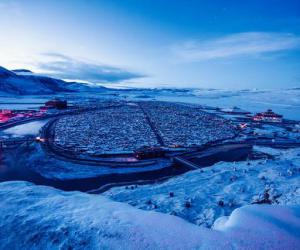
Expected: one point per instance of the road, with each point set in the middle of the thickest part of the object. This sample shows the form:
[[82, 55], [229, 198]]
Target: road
[[158, 137]]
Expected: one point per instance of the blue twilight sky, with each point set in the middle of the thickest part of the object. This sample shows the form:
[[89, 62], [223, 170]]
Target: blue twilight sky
[[152, 43]]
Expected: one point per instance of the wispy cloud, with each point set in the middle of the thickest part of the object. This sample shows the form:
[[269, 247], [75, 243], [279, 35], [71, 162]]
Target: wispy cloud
[[235, 45], [65, 67]]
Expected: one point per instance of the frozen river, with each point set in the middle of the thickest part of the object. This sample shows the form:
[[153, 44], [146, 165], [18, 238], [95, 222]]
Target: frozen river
[[30, 128]]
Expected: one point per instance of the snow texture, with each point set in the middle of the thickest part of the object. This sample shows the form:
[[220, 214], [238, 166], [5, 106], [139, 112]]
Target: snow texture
[[38, 217], [202, 196]]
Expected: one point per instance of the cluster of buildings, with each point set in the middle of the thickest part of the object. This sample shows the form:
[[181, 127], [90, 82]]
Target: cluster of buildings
[[7, 115], [131, 127], [12, 115], [268, 116], [114, 130], [186, 125]]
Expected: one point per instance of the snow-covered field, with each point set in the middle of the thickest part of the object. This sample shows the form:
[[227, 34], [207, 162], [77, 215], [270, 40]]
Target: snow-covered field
[[202, 196], [37, 217]]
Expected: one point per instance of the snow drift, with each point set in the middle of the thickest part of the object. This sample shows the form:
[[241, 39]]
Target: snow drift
[[37, 217]]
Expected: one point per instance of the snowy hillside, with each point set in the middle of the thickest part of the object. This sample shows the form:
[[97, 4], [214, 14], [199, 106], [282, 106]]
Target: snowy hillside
[[37, 217], [23, 82], [201, 196]]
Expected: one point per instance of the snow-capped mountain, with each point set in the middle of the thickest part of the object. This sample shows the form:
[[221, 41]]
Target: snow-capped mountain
[[24, 82]]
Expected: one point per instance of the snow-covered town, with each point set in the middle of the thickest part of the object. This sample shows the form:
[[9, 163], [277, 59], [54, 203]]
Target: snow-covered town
[[131, 126], [152, 125], [108, 131], [139, 153], [186, 125]]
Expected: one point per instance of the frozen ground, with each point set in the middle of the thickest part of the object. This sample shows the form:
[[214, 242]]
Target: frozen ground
[[202, 196], [37, 217]]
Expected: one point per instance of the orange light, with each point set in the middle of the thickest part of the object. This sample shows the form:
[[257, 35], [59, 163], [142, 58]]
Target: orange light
[[39, 139]]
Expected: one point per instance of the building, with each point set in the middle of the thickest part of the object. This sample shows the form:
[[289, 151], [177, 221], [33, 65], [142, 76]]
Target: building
[[268, 116], [5, 115], [56, 103], [43, 109], [147, 153]]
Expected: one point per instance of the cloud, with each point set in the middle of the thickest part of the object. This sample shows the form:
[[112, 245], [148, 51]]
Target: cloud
[[64, 67], [235, 45]]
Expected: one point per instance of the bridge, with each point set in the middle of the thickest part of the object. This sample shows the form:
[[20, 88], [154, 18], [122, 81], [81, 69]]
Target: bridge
[[186, 163], [209, 156]]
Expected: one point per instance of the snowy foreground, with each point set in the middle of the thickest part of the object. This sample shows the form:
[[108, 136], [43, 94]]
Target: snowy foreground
[[202, 196], [38, 217]]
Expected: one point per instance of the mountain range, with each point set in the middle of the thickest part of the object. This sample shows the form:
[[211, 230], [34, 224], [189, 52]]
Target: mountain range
[[25, 82]]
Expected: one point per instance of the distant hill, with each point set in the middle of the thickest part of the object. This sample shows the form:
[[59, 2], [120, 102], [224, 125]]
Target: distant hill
[[22, 71], [24, 82]]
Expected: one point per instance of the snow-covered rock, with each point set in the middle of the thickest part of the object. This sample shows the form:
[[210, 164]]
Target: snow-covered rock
[[37, 217]]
